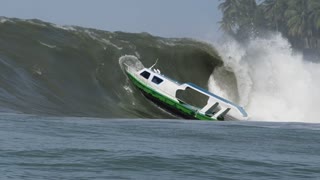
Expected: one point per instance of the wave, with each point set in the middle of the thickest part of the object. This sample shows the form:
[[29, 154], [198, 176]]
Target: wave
[[274, 82], [54, 70]]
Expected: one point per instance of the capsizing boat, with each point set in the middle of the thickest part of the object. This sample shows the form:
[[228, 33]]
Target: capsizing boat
[[186, 100]]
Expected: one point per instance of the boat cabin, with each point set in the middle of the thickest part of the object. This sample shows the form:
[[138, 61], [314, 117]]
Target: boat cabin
[[200, 99]]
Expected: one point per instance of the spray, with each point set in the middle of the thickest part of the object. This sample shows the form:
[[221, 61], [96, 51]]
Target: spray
[[273, 82]]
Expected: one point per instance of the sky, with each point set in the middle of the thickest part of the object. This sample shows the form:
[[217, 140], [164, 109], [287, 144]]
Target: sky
[[167, 18]]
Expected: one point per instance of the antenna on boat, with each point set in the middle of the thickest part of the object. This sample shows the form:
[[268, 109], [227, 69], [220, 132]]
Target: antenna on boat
[[153, 64]]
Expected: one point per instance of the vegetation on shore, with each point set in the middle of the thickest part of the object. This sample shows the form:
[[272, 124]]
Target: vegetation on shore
[[298, 20]]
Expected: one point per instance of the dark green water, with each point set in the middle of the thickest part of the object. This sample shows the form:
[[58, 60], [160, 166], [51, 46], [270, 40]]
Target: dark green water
[[74, 71], [33, 147]]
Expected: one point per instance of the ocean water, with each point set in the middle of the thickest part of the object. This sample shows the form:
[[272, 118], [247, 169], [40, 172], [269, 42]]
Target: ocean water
[[67, 110], [35, 147]]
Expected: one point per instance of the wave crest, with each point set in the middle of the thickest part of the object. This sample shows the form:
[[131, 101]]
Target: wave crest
[[274, 82]]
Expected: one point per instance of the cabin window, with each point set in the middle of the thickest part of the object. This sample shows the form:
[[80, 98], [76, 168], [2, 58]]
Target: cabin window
[[157, 80], [145, 74], [192, 97]]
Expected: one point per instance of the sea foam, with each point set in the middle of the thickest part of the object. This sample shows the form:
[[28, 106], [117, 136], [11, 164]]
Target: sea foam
[[274, 83]]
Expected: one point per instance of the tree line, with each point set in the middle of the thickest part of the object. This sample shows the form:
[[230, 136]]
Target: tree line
[[298, 20]]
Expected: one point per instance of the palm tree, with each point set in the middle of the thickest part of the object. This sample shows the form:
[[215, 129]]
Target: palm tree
[[274, 13], [298, 20], [247, 12], [299, 23], [314, 6], [298, 16], [230, 11], [238, 15]]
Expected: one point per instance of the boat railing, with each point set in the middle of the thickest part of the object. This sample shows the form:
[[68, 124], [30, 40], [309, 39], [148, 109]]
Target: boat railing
[[225, 101]]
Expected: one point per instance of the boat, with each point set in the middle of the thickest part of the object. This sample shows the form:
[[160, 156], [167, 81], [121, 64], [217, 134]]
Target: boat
[[186, 100]]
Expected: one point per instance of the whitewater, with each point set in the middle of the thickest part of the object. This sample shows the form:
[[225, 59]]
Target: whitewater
[[275, 83]]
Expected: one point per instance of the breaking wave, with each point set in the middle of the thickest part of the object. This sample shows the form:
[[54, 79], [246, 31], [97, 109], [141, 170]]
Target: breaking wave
[[274, 82], [54, 70]]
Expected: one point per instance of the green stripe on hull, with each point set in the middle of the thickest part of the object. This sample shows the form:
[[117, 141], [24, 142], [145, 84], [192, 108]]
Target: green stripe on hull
[[183, 108]]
